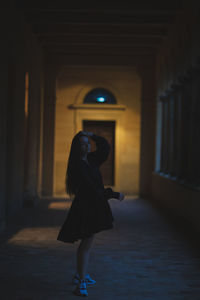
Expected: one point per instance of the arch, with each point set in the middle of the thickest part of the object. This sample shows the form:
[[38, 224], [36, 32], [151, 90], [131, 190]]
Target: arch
[[92, 86], [100, 95]]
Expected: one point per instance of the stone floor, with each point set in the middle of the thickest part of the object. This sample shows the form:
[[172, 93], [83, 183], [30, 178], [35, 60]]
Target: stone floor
[[146, 256]]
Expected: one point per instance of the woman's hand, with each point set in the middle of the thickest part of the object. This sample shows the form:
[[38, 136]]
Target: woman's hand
[[87, 133], [121, 196]]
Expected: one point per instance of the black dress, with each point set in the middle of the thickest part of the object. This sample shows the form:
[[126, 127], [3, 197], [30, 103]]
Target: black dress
[[90, 211]]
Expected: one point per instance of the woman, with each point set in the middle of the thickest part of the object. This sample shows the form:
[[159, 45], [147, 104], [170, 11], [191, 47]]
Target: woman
[[90, 211]]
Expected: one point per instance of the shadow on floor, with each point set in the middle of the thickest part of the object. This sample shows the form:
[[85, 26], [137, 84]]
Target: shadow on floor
[[53, 211]]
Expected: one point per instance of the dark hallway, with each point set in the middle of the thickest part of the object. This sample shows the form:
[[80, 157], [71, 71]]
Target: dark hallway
[[129, 71]]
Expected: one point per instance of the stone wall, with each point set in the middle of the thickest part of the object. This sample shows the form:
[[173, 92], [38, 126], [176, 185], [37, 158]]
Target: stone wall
[[72, 86]]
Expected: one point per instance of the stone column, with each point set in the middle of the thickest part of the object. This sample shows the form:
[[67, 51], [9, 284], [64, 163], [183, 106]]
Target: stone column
[[33, 140], [194, 144], [3, 121], [175, 129], [158, 167], [162, 163], [178, 120], [165, 145], [185, 122], [197, 136], [180, 134], [148, 128], [48, 130], [171, 140]]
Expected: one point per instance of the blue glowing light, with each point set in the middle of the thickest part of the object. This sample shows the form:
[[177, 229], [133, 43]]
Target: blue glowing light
[[101, 99]]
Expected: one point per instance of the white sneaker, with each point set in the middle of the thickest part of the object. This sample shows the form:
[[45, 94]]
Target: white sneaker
[[88, 279], [81, 289]]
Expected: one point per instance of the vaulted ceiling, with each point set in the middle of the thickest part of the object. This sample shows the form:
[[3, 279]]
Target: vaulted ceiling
[[101, 32]]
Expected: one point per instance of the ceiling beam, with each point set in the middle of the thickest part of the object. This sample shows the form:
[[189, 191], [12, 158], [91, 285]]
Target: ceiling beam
[[94, 5], [123, 23], [65, 29], [99, 48], [126, 12], [144, 46], [97, 51], [88, 17], [98, 39], [58, 36], [78, 60]]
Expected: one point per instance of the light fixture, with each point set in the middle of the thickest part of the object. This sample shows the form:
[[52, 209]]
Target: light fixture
[[101, 99]]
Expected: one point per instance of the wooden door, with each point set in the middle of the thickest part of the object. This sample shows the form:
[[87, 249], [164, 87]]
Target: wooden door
[[107, 130]]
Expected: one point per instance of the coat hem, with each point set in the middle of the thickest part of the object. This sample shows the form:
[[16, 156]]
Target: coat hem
[[73, 240]]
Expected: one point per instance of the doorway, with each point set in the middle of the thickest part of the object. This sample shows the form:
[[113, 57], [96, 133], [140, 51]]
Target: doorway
[[107, 130]]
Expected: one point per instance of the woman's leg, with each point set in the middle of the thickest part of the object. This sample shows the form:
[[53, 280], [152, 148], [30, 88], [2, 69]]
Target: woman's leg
[[83, 253]]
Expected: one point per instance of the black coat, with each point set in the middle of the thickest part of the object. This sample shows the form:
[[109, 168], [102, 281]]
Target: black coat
[[90, 211]]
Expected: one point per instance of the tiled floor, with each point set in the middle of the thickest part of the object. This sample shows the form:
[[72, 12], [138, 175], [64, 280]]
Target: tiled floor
[[143, 257]]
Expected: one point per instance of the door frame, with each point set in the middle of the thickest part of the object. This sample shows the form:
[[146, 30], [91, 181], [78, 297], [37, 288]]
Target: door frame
[[101, 124], [104, 114]]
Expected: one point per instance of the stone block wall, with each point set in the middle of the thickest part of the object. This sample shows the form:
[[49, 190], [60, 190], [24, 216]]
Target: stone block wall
[[72, 86]]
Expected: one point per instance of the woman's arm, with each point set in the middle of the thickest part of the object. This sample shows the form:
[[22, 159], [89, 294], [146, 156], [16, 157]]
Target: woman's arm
[[109, 193], [103, 149]]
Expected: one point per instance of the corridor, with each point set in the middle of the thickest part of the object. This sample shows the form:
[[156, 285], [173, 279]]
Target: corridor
[[145, 256]]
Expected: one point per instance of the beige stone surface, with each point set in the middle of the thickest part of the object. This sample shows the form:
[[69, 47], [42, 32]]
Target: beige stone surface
[[72, 86]]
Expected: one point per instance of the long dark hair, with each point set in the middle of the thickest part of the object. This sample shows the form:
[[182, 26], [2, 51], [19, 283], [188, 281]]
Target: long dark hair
[[73, 164]]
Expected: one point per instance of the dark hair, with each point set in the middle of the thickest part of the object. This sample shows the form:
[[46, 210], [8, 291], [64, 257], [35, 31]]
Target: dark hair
[[73, 164]]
